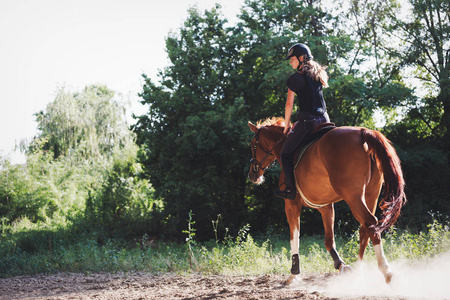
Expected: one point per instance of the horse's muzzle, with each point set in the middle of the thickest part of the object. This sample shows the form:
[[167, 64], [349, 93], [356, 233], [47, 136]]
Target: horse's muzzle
[[255, 177]]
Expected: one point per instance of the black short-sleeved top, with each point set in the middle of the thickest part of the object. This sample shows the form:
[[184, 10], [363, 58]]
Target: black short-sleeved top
[[309, 92]]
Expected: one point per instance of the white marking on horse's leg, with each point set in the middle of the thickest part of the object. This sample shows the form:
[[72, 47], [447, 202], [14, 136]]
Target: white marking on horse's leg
[[295, 241], [383, 265]]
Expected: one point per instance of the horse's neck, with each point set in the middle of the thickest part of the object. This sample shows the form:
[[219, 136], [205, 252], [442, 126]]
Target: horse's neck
[[276, 135]]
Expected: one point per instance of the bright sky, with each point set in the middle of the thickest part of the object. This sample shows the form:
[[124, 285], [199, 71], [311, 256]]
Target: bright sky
[[49, 43]]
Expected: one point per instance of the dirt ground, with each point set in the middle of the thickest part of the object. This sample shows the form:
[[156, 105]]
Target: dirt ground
[[168, 286]]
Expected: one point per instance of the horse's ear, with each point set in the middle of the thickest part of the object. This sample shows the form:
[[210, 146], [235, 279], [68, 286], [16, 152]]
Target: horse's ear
[[252, 127]]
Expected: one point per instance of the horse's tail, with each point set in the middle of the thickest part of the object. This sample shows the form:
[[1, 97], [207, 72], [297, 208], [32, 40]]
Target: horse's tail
[[389, 163]]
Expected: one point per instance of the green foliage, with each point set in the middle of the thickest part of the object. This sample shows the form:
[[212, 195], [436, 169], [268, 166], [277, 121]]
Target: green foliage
[[243, 257], [426, 175], [64, 251], [81, 171], [425, 49], [124, 203], [45, 188], [434, 241], [370, 78], [81, 125], [193, 144]]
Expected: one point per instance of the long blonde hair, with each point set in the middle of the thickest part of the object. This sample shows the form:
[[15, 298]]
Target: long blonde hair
[[315, 71]]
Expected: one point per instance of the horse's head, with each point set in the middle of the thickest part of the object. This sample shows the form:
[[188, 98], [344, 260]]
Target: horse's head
[[263, 156]]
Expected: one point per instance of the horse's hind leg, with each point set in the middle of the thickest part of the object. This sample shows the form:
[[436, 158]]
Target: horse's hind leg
[[372, 192], [368, 222], [327, 213], [363, 241], [371, 198]]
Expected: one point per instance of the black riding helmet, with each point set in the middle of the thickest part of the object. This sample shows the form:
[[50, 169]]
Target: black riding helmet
[[298, 50]]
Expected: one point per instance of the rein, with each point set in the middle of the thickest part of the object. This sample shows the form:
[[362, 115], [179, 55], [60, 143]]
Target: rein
[[258, 164]]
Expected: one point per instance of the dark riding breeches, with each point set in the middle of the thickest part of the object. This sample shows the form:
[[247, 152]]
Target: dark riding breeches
[[306, 124]]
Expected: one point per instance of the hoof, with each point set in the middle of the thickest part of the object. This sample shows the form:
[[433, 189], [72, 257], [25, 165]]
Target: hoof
[[388, 277], [345, 269], [293, 279]]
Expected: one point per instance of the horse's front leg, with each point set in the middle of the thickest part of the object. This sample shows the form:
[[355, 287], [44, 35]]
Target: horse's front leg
[[327, 213], [293, 209]]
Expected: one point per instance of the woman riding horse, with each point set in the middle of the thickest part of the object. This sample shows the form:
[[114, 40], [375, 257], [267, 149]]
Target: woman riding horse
[[307, 83], [347, 163]]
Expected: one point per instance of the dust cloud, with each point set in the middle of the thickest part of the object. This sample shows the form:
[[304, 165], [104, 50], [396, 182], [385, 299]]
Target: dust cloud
[[424, 280]]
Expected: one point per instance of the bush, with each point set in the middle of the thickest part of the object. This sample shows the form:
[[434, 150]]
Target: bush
[[124, 204]]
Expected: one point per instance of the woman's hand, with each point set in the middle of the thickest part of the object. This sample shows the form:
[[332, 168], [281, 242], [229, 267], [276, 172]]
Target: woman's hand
[[287, 128]]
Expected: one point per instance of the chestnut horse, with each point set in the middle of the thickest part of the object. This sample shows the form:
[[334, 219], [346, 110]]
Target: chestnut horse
[[347, 163]]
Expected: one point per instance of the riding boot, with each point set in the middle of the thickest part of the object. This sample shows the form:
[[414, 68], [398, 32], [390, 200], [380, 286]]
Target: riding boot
[[290, 191]]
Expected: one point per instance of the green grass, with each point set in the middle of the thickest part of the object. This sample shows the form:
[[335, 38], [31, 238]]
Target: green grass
[[32, 253]]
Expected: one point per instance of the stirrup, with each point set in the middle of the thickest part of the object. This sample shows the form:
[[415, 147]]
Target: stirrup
[[288, 193]]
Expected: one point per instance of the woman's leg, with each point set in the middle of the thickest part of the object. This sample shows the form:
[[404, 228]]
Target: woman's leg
[[292, 142]]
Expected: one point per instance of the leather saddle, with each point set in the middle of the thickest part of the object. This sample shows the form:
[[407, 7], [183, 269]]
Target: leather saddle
[[311, 138]]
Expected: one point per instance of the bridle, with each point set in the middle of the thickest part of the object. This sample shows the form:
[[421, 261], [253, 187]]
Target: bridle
[[258, 164]]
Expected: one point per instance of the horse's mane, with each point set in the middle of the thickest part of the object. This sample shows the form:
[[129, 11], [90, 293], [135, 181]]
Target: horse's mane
[[273, 121]]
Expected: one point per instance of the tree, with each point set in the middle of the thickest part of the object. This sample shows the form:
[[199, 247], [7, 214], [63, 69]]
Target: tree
[[86, 124], [368, 73], [425, 133], [192, 135], [427, 49], [414, 40]]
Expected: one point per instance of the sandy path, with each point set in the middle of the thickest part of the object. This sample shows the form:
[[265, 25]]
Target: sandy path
[[169, 286]]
